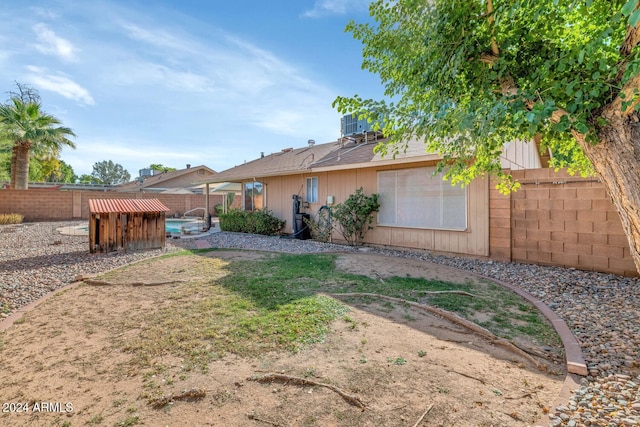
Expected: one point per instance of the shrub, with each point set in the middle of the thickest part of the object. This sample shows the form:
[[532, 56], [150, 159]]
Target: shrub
[[355, 216], [11, 218], [321, 227], [257, 222]]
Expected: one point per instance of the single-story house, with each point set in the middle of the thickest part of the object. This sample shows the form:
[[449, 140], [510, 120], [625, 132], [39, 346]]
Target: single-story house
[[418, 209], [180, 181]]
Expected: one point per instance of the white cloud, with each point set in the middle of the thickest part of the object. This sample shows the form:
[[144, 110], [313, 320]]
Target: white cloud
[[158, 38], [59, 83], [335, 7], [51, 44]]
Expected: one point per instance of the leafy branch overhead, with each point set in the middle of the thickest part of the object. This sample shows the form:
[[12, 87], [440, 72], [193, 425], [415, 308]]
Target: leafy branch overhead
[[469, 77]]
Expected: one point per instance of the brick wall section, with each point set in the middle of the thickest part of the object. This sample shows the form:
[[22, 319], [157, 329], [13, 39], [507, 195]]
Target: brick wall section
[[52, 205], [499, 224], [562, 220]]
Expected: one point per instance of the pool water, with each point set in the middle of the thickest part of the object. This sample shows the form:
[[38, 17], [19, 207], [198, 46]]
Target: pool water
[[175, 225]]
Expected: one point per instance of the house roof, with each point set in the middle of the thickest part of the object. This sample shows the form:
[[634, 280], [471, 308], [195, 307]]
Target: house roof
[[284, 162], [355, 154], [126, 205], [157, 180], [345, 154]]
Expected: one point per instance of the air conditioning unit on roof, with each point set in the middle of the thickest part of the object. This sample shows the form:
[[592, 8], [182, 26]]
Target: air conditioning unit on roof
[[352, 126]]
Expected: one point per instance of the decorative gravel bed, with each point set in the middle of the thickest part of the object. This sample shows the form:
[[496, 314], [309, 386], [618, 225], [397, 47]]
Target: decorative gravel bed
[[603, 311]]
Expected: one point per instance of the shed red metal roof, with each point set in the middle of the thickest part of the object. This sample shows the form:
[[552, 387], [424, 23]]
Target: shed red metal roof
[[126, 205]]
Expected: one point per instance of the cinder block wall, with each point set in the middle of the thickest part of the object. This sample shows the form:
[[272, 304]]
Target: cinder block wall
[[53, 205], [559, 219]]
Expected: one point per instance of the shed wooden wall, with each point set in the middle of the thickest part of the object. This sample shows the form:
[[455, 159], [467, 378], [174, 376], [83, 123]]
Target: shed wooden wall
[[341, 184], [126, 231]]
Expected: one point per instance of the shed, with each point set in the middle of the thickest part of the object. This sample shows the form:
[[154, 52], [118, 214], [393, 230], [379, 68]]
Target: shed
[[123, 224]]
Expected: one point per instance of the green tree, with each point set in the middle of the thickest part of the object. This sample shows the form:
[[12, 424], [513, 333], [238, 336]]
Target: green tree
[[89, 179], [161, 168], [23, 122], [470, 76], [55, 170], [110, 173]]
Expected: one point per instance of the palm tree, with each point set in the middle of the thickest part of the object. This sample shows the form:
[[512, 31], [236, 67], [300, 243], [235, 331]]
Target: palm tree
[[28, 127]]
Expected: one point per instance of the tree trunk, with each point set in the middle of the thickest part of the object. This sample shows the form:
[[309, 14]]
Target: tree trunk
[[616, 159], [14, 157], [22, 149]]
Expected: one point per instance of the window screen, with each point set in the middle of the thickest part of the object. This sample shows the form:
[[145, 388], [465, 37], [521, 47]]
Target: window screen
[[312, 190], [416, 198]]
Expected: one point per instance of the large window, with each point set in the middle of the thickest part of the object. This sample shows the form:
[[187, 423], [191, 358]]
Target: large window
[[312, 190], [417, 198], [253, 196]]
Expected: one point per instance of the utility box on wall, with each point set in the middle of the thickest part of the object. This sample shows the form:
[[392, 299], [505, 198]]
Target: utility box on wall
[[123, 224]]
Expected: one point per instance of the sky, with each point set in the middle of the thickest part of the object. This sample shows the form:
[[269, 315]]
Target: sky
[[195, 82]]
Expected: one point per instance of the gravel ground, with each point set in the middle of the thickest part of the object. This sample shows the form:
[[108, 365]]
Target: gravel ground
[[602, 310]]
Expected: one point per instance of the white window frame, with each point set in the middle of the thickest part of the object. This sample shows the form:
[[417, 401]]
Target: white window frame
[[311, 194], [416, 198]]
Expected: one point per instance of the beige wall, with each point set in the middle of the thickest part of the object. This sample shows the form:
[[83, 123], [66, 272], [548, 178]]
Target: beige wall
[[52, 205], [562, 220], [341, 184]]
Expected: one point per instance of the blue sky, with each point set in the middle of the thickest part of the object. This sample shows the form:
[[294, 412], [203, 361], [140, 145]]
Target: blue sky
[[189, 81]]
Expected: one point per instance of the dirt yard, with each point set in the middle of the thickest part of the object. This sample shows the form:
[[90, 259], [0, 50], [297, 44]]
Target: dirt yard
[[386, 365]]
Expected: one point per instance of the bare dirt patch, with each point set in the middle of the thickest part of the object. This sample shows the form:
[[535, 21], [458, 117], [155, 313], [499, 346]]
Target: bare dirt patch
[[398, 360]]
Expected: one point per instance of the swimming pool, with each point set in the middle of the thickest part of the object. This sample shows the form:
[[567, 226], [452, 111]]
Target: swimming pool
[[175, 225]]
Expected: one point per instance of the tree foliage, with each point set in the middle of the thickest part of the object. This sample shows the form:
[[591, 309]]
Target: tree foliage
[[470, 76], [109, 172], [160, 167], [89, 179], [30, 131]]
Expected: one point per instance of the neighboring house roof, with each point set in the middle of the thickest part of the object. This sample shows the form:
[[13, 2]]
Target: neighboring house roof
[[284, 162], [126, 205], [163, 181]]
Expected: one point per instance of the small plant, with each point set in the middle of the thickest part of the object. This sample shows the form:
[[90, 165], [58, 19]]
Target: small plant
[[321, 227], [400, 361], [96, 419], [10, 218], [310, 372], [363, 359], [422, 353], [443, 390], [355, 216], [129, 421], [397, 361]]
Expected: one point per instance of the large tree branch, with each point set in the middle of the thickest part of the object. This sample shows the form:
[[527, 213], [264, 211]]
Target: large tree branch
[[494, 45], [631, 40]]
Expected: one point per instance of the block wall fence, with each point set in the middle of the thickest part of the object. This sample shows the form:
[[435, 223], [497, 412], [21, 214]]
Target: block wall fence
[[560, 220], [53, 205]]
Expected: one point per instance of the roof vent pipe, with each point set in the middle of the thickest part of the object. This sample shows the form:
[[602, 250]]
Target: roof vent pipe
[[188, 166], [311, 142], [261, 154]]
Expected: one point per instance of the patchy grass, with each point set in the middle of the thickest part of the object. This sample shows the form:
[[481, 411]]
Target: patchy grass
[[276, 303]]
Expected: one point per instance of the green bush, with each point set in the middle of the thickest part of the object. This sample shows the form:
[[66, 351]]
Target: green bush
[[355, 216], [11, 218], [257, 222]]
